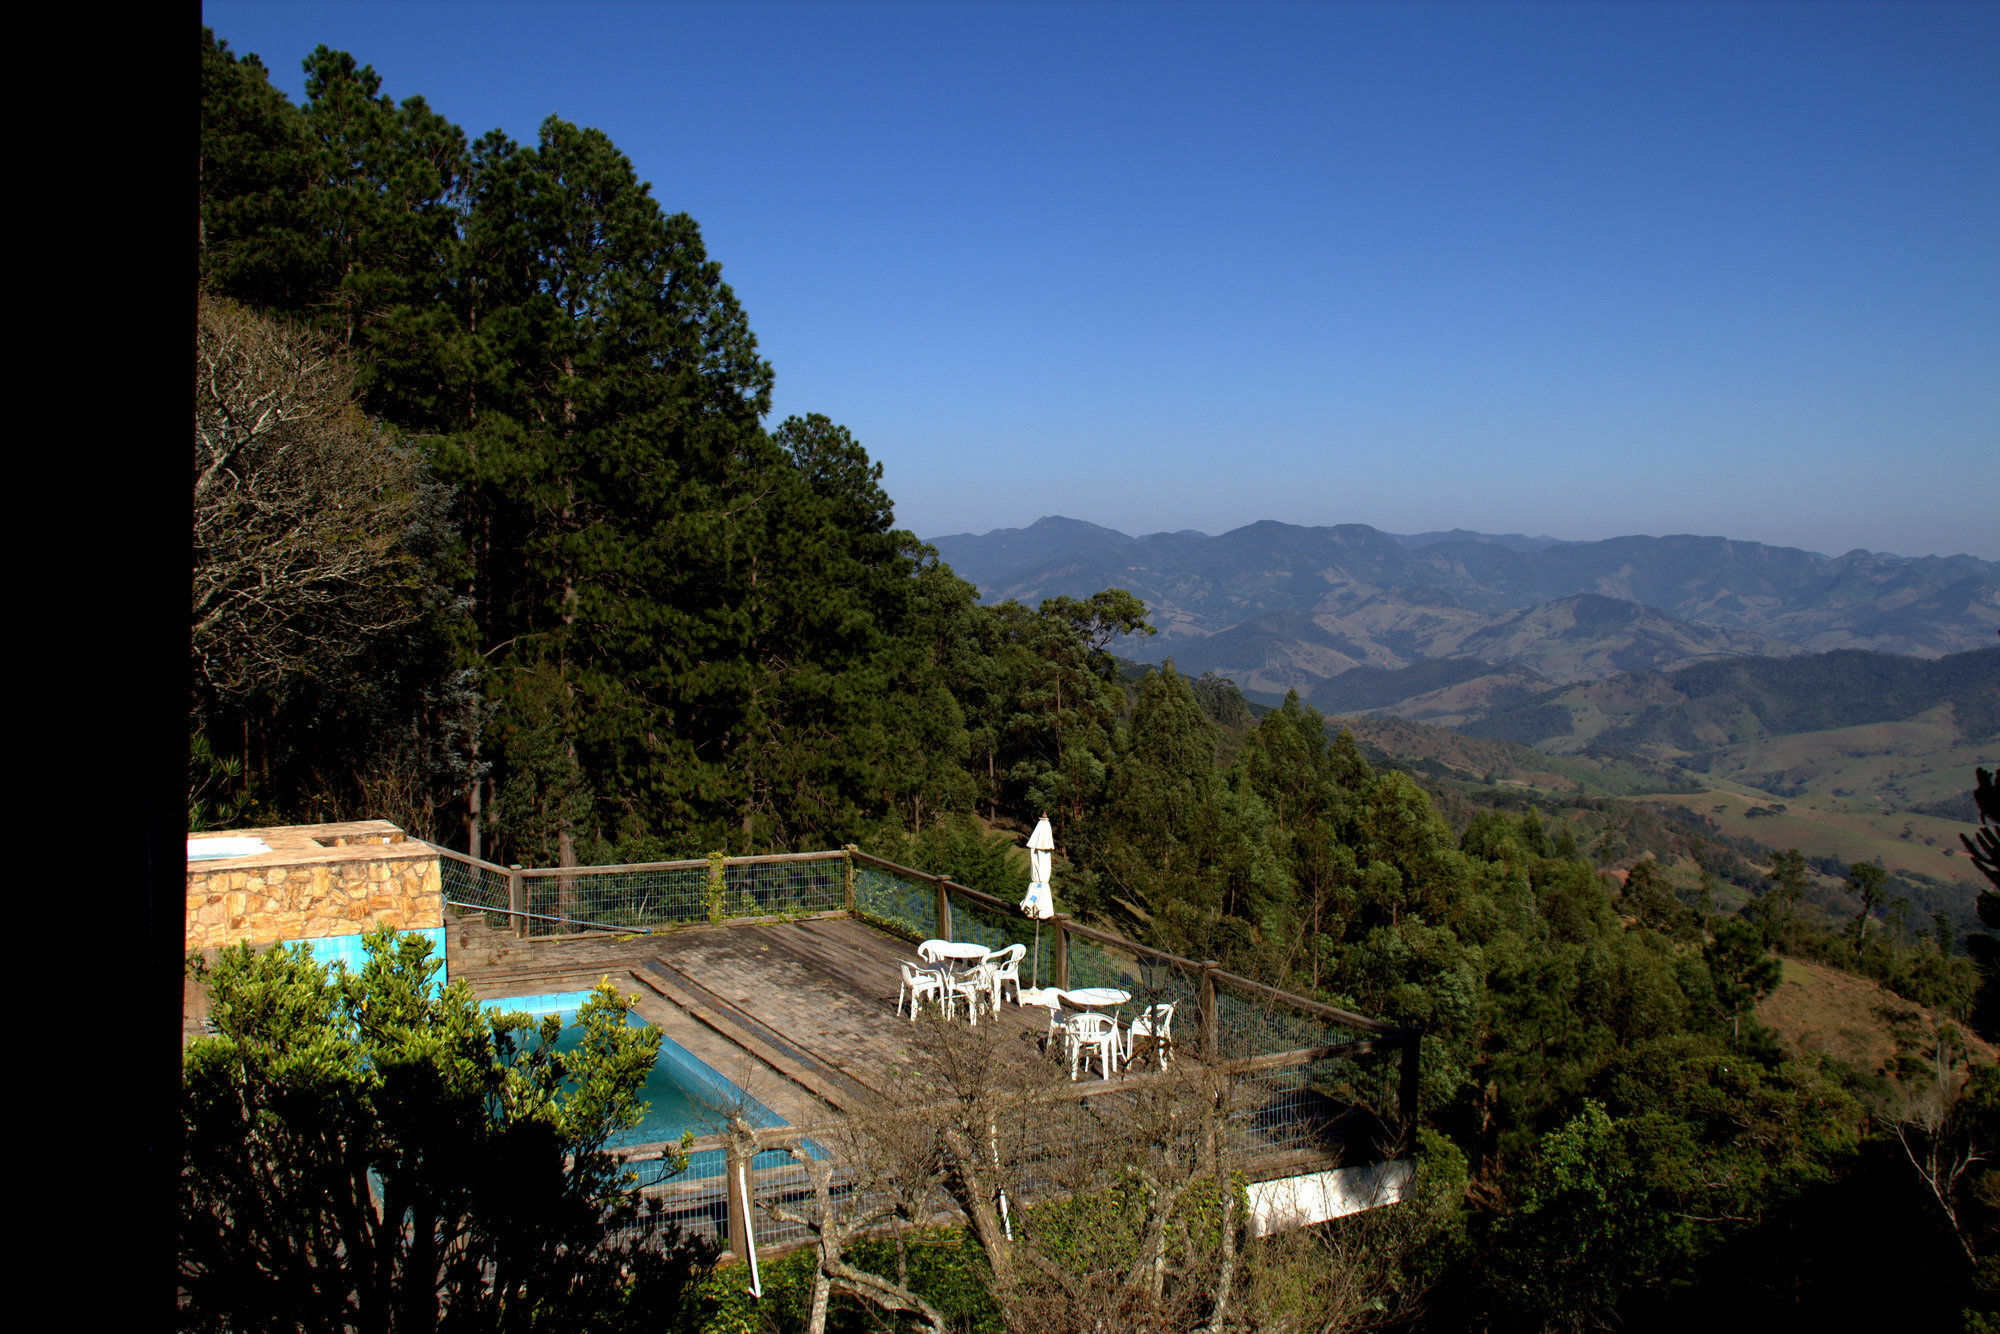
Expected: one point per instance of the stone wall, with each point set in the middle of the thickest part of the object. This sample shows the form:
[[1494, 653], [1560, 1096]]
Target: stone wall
[[316, 881]]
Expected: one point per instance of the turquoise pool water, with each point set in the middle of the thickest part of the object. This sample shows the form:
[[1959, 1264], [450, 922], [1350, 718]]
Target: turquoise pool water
[[683, 1092]]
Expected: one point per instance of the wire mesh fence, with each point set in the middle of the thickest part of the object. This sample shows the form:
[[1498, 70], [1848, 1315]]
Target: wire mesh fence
[[1248, 1025], [976, 923], [776, 1177], [787, 888], [567, 900], [900, 902], [473, 884], [696, 1201], [1287, 1110]]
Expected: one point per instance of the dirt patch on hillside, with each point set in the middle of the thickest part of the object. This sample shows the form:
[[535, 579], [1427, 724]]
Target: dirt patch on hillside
[[1854, 1020]]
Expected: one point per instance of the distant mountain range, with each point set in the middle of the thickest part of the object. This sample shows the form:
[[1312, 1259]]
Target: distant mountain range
[[1501, 618]]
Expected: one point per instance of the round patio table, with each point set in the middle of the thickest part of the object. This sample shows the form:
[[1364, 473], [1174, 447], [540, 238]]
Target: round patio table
[[1097, 998], [962, 952]]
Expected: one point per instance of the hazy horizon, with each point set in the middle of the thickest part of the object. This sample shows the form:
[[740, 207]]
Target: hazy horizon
[[1575, 270], [1145, 532]]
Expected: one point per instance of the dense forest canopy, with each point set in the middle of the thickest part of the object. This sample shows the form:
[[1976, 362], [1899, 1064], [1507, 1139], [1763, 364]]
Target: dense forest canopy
[[495, 540]]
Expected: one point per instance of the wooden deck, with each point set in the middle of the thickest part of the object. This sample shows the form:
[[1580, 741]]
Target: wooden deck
[[810, 1002], [801, 1015]]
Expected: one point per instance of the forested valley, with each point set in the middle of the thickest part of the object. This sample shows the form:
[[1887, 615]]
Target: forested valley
[[494, 540]]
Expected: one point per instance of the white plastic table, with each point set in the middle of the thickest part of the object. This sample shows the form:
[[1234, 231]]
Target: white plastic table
[[964, 952], [1097, 998]]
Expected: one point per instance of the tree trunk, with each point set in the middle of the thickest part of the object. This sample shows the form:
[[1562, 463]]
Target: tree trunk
[[822, 1286], [472, 804]]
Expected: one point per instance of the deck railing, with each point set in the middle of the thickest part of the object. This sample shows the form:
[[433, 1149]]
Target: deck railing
[[1297, 1066]]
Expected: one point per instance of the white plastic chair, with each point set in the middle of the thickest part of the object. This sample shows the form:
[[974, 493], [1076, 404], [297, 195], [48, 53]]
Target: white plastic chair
[[1057, 1019], [1006, 965], [971, 984], [1157, 1023], [928, 951], [920, 984], [1093, 1032]]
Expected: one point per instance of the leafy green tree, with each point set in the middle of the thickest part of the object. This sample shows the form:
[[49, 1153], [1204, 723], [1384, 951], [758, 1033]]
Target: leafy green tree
[[1983, 844], [1067, 698], [1180, 850], [1741, 972], [1684, 1145], [1866, 881], [1786, 896], [1569, 1249], [1651, 898], [844, 669], [371, 1151]]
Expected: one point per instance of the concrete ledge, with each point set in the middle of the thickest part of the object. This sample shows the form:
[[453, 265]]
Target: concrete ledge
[[1300, 1201]]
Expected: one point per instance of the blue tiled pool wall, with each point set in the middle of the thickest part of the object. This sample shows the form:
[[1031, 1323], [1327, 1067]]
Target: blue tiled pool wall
[[688, 1070], [349, 950]]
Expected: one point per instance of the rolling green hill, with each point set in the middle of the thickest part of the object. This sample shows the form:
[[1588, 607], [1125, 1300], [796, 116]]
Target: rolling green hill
[[1712, 706]]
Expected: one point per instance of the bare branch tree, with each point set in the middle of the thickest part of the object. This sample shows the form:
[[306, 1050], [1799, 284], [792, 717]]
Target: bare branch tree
[[836, 1218], [1939, 1142], [1098, 1208], [302, 506]]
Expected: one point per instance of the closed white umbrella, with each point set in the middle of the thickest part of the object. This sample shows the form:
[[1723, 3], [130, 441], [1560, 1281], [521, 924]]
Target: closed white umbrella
[[1040, 903]]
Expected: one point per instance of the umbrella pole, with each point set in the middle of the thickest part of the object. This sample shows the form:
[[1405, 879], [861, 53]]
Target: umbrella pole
[[1038, 954]]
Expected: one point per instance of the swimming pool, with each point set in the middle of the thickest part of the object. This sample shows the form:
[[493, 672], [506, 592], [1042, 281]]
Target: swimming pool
[[682, 1092]]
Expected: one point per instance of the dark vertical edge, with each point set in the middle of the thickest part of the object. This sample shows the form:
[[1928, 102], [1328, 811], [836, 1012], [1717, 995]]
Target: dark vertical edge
[[1211, 1037], [737, 1169], [1407, 1096], [126, 262]]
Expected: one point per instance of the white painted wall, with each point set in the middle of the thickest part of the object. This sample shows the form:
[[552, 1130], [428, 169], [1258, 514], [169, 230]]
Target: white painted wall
[[1291, 1202]]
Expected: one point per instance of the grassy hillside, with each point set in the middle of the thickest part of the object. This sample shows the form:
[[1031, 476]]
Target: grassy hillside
[[1905, 764], [1827, 826], [1817, 1010], [1713, 706], [1442, 753]]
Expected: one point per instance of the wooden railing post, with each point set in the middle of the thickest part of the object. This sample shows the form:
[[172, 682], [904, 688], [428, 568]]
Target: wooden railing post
[[716, 888], [1211, 1039], [1061, 920], [943, 910], [517, 900], [847, 875], [1406, 1096], [736, 1172]]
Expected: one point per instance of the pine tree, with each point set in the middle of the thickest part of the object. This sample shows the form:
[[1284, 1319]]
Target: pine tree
[[257, 170]]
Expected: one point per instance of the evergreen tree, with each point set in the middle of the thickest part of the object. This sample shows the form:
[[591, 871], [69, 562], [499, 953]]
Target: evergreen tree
[[1781, 904], [1866, 882], [616, 468], [257, 170]]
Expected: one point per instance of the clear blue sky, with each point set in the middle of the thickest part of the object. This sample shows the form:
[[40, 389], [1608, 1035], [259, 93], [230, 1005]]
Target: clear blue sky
[[1582, 269]]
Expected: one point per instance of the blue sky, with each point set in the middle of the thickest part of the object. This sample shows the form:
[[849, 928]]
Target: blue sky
[[1582, 269]]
